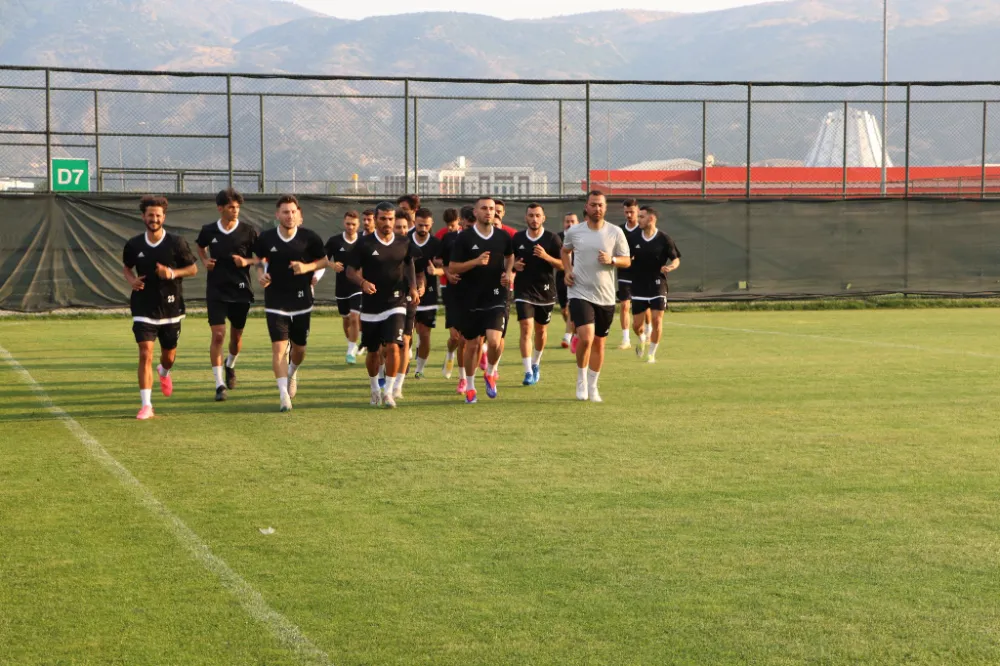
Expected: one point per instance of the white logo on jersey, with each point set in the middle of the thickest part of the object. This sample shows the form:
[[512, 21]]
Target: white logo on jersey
[[521, 247], [141, 256], [341, 249], [475, 247], [215, 240], [374, 253], [637, 246], [274, 249]]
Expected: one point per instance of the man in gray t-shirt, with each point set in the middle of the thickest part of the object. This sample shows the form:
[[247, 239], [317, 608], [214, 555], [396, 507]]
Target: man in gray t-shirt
[[591, 253]]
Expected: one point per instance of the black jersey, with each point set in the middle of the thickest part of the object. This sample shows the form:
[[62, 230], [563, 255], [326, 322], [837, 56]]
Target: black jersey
[[424, 255], [536, 284], [160, 301], [480, 288], [289, 294], [338, 248], [648, 257], [625, 274], [384, 265], [227, 282]]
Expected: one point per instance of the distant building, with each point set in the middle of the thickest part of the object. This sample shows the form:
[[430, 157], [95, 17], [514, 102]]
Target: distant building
[[460, 179], [864, 141]]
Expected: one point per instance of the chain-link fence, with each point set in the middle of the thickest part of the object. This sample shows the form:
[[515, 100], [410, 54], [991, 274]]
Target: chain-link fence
[[369, 137]]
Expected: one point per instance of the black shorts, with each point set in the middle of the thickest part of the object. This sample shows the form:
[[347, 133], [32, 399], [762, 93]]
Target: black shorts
[[427, 318], [346, 306], [167, 334], [639, 306], [410, 321], [561, 291], [388, 331], [236, 313], [285, 327], [584, 312], [542, 314], [624, 291], [475, 323]]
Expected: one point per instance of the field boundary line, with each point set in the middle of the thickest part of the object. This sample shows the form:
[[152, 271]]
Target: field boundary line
[[832, 338], [251, 600]]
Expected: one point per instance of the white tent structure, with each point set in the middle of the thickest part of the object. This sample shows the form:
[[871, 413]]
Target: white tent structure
[[864, 141]]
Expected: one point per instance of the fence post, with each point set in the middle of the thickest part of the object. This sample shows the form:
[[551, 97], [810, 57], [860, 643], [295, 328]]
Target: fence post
[[846, 110], [906, 186], [982, 186], [229, 123], [749, 141], [587, 123], [406, 136], [704, 152], [263, 161], [416, 144], [48, 131], [97, 145], [560, 147]]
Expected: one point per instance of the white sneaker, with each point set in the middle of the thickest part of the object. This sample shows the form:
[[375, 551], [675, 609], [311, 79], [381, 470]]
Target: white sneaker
[[594, 395], [397, 393], [389, 402], [376, 398], [625, 345], [286, 404], [293, 384], [581, 390], [650, 359], [640, 349]]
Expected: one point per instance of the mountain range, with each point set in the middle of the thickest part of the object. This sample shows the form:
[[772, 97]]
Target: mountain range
[[793, 40]]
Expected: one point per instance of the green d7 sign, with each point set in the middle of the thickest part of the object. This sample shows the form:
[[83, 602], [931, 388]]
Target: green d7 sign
[[70, 175]]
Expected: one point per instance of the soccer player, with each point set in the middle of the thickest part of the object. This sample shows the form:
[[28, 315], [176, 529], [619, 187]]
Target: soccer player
[[348, 294], [597, 249], [483, 257], [630, 208], [569, 219], [429, 249], [155, 263], [537, 255], [654, 257], [226, 250], [293, 253], [401, 228], [368, 222], [452, 320], [382, 266]]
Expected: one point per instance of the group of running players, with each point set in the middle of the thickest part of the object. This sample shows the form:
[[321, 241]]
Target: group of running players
[[392, 274]]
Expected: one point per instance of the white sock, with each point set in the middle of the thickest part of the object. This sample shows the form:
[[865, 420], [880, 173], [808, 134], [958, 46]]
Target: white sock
[[471, 386], [581, 375], [381, 371], [527, 363], [291, 369], [484, 348], [421, 362], [231, 361], [161, 371], [146, 395], [536, 356], [568, 337], [450, 356], [283, 387], [491, 368], [642, 337], [217, 371], [374, 383], [461, 373], [352, 348], [647, 329], [652, 348], [626, 336], [400, 378], [592, 379]]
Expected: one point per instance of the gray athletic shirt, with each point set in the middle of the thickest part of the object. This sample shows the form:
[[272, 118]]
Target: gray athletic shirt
[[593, 281]]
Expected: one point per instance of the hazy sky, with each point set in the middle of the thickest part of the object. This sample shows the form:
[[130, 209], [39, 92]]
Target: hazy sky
[[509, 9]]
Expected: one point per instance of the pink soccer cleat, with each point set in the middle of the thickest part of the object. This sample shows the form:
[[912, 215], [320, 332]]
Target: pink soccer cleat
[[482, 361], [145, 413], [462, 385], [167, 385]]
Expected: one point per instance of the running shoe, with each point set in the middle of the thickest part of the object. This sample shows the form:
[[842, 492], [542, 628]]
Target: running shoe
[[351, 359], [389, 401], [145, 413], [230, 377], [529, 379], [286, 405], [625, 345], [651, 359], [293, 384], [491, 386], [536, 372], [573, 343], [166, 385], [376, 398], [462, 385], [221, 394], [449, 365], [594, 395], [470, 397], [581, 390], [418, 375]]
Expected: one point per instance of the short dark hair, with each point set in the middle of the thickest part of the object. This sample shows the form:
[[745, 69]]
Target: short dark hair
[[485, 197], [534, 204], [404, 213], [595, 193], [500, 202], [384, 207], [565, 215], [228, 196], [424, 213], [450, 215], [368, 211], [287, 199], [352, 214], [629, 203], [153, 201], [411, 200], [649, 210], [468, 213]]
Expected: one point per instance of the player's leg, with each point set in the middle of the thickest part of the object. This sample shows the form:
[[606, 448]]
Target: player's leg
[[543, 315], [640, 309], [647, 329], [625, 302], [460, 358], [526, 324], [217, 324], [168, 335], [278, 329], [472, 333], [604, 317], [371, 339], [298, 335], [656, 313], [237, 314], [582, 314], [393, 339], [426, 322], [145, 337]]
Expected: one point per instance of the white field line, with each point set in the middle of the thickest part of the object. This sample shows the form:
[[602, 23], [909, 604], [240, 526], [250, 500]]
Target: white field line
[[251, 600], [830, 338]]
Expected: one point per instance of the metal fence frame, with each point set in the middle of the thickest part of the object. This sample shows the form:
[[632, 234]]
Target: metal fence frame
[[410, 102]]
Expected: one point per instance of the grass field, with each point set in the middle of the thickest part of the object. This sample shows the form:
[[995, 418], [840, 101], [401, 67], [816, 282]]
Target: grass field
[[781, 488]]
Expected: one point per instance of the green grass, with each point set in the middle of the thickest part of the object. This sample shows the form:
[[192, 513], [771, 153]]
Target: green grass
[[751, 498]]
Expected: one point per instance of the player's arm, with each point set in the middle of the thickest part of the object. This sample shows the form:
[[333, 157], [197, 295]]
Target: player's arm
[[187, 265], [566, 254], [555, 262], [673, 256], [137, 282], [508, 270], [260, 249], [300, 267], [621, 257], [411, 274], [206, 258], [460, 267]]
